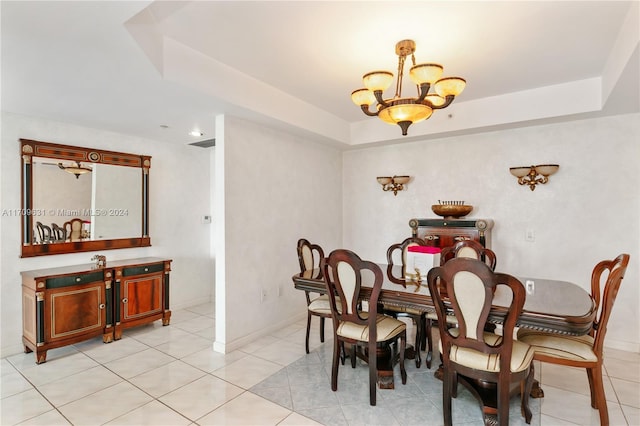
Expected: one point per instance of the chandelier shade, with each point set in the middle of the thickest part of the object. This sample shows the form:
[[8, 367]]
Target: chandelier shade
[[76, 169], [405, 112], [425, 73], [450, 86], [377, 80], [434, 92]]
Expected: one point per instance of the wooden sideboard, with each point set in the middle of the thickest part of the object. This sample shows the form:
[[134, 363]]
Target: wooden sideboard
[[446, 232], [66, 305]]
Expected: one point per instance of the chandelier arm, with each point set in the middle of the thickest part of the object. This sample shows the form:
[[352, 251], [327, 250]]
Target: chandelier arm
[[365, 109], [378, 95], [423, 89], [447, 102]]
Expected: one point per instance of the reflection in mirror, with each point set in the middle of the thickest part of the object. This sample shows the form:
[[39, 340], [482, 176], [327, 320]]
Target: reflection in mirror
[[81, 199], [84, 206]]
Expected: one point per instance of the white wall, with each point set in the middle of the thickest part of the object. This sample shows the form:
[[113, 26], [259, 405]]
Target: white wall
[[586, 213], [179, 196], [277, 188]]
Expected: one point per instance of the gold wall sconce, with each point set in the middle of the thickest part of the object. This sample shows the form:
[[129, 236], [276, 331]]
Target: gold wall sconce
[[395, 183], [534, 175]]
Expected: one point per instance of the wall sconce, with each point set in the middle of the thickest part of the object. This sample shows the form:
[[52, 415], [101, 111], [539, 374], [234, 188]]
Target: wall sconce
[[534, 175], [395, 183]]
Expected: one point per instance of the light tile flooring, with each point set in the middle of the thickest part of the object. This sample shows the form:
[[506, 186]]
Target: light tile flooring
[[170, 376]]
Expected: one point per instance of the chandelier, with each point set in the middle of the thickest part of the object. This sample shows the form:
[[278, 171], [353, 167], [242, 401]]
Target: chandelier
[[408, 110], [76, 169]]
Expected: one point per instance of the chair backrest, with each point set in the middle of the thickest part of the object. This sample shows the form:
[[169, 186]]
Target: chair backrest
[[401, 249], [310, 257], [604, 299], [469, 249], [59, 234], [470, 285], [44, 232], [74, 229], [343, 274]]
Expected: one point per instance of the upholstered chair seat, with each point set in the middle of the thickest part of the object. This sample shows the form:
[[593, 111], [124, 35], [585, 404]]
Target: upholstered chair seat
[[320, 305], [521, 356], [575, 348], [387, 328]]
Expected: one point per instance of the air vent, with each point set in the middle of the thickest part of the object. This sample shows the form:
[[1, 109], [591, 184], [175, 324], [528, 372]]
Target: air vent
[[205, 144]]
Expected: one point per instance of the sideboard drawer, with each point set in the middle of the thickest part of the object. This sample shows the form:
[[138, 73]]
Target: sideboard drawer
[[140, 270], [58, 282]]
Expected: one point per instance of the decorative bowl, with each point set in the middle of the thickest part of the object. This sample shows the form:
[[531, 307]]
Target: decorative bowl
[[451, 210]]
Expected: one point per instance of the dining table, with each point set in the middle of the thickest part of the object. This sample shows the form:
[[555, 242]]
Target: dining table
[[552, 306]]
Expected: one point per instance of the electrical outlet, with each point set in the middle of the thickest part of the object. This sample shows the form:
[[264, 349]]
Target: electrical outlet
[[279, 290]]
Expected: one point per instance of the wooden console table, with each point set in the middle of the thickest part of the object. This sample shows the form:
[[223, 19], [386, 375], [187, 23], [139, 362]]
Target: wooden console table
[[446, 232], [66, 305]]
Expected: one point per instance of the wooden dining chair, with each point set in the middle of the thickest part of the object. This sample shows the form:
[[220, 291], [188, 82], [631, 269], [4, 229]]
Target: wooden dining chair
[[585, 351], [365, 330], [73, 229], [468, 351], [59, 233], [44, 233], [309, 257], [466, 249], [471, 249], [423, 340]]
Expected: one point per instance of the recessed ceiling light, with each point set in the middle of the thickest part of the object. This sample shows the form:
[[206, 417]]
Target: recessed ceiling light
[[196, 133]]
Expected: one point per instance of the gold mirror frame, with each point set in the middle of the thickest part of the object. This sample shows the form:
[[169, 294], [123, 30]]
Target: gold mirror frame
[[30, 148]]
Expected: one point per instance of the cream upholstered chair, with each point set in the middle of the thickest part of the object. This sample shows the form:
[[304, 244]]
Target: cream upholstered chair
[[470, 249], [466, 249], [468, 350], [418, 317], [343, 276], [585, 351], [309, 257], [73, 229]]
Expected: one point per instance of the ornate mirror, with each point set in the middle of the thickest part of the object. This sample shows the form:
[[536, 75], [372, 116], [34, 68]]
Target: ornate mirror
[[78, 199]]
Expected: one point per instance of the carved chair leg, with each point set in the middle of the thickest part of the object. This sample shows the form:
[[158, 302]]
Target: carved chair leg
[[503, 401], [601, 401], [428, 335], [403, 371], [525, 390], [306, 341], [373, 373], [322, 329], [594, 403], [334, 364], [454, 384], [418, 343], [353, 356], [447, 384]]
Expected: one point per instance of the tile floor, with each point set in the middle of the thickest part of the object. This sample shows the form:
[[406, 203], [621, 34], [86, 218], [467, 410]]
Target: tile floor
[[170, 376]]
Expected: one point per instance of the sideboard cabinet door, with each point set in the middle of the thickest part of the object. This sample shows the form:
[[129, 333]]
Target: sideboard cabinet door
[[141, 295], [63, 309]]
